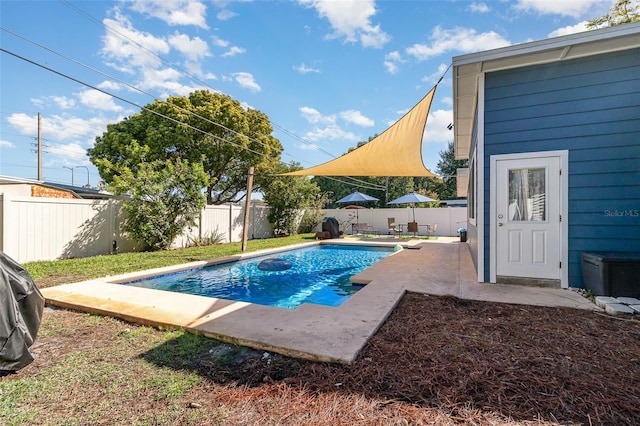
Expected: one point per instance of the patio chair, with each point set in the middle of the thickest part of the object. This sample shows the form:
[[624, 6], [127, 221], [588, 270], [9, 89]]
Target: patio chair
[[396, 229], [412, 227], [431, 229]]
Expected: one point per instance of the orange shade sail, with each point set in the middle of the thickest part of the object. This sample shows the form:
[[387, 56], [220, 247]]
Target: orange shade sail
[[395, 152]]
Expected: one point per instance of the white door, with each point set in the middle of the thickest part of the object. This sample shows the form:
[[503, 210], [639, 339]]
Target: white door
[[528, 236]]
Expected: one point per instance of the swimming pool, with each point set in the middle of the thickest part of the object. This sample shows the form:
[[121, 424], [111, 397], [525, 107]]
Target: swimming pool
[[319, 274]]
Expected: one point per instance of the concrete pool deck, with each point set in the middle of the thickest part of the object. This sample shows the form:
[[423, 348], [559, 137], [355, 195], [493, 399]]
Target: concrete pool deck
[[337, 334]]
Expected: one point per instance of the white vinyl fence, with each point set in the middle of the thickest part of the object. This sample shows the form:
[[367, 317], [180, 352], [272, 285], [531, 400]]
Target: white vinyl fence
[[34, 228]]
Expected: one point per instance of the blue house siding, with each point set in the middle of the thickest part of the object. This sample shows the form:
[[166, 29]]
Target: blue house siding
[[590, 107]]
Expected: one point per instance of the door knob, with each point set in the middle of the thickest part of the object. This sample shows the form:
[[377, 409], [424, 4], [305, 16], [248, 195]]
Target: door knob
[[500, 223]]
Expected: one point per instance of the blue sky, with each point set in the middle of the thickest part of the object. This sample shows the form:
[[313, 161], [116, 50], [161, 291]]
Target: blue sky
[[327, 73]]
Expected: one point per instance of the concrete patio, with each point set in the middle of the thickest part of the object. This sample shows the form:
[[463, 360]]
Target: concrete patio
[[337, 334]]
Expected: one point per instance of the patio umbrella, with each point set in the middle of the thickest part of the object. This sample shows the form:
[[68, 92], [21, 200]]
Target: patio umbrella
[[412, 198], [355, 197]]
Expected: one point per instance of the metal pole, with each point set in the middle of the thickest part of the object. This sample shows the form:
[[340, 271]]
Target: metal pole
[[70, 168], [245, 227], [87, 169], [40, 177]]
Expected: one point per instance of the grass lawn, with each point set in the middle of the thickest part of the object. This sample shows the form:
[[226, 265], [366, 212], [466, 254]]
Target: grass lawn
[[50, 273]]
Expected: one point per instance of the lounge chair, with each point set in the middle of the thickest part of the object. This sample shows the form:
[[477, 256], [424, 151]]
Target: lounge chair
[[393, 227], [362, 228]]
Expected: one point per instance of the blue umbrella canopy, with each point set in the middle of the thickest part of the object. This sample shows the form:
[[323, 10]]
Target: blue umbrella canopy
[[414, 197], [355, 197]]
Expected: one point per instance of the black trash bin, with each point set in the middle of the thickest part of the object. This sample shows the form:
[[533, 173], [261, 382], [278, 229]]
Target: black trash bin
[[611, 273], [463, 236], [331, 226]]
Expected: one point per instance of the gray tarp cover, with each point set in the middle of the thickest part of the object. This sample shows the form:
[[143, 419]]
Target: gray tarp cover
[[21, 307]]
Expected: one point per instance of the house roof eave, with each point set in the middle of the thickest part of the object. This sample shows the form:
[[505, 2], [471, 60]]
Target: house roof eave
[[467, 69]]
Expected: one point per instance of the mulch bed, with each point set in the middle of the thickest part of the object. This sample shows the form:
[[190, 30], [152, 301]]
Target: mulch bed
[[525, 362]]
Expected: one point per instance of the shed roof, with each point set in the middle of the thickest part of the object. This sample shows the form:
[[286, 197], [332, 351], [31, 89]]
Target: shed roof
[[467, 69]]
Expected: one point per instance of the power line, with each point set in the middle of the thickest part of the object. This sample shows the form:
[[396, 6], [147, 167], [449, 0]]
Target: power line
[[125, 100]]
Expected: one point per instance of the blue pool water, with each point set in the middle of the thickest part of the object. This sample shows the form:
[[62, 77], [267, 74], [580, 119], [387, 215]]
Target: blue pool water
[[319, 275]]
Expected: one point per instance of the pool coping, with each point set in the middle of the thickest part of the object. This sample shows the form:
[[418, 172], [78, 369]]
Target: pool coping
[[310, 331], [323, 333]]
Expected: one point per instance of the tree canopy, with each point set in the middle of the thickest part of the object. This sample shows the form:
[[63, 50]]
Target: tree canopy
[[209, 129], [286, 197], [165, 197], [623, 12], [448, 167]]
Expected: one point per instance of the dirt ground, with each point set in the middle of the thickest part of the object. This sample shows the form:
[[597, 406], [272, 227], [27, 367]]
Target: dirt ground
[[436, 360]]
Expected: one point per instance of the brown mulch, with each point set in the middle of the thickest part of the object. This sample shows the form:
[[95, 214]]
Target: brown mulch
[[524, 362], [462, 358]]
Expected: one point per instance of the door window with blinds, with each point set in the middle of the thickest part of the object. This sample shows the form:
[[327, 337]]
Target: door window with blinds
[[527, 194]]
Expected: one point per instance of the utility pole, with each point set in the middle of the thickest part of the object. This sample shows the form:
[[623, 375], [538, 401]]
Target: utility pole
[[247, 207], [40, 178]]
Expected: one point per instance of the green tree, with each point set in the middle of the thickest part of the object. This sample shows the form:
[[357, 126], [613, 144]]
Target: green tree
[[447, 167], [623, 12], [205, 128], [164, 197], [287, 196]]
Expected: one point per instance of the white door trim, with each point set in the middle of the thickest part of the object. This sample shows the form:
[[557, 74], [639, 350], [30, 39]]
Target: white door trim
[[564, 209]]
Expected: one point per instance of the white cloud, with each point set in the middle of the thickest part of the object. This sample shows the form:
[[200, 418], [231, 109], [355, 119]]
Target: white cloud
[[225, 15], [235, 50], [356, 117], [193, 49], [6, 144], [314, 116], [60, 127], [573, 8], [122, 42], [71, 153], [436, 130], [174, 12], [479, 7], [217, 41], [391, 67], [39, 102], [434, 77], [303, 69], [350, 19], [392, 60], [24, 123], [63, 102], [108, 85], [458, 39], [246, 80], [571, 29], [166, 80], [447, 100], [98, 100], [308, 146], [330, 133]]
